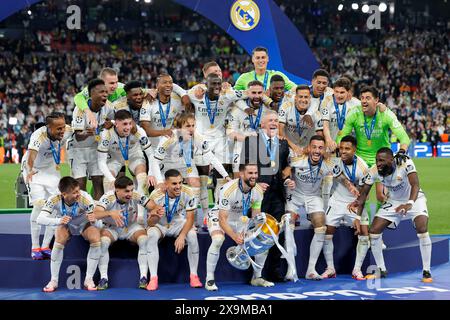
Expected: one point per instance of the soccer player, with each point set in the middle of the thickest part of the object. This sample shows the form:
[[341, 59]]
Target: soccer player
[[82, 148], [405, 200], [42, 165], [114, 90], [277, 93], [372, 130], [355, 169], [319, 88], [118, 210], [210, 115], [241, 125], [118, 147], [71, 211], [260, 59], [177, 152], [293, 125], [308, 171], [229, 216], [174, 218], [157, 117], [134, 100]]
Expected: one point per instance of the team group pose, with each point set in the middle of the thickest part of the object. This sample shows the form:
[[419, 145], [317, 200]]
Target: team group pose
[[307, 155]]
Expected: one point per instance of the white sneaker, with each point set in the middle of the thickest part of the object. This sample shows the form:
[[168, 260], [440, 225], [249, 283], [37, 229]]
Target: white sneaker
[[260, 282], [51, 286], [289, 275], [210, 285], [89, 285], [329, 273], [312, 275]]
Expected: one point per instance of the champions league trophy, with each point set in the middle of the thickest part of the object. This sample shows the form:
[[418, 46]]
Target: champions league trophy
[[260, 234]]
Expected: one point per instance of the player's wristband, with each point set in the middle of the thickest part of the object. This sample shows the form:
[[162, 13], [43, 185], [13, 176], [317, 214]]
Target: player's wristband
[[411, 202]]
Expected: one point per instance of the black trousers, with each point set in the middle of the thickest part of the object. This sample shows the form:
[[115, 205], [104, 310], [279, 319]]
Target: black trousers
[[273, 204]]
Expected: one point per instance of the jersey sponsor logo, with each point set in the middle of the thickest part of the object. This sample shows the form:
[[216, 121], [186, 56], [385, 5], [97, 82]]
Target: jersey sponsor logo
[[397, 187], [245, 15], [224, 202]]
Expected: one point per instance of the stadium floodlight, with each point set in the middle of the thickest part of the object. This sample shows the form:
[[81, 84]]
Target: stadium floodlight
[[392, 8], [148, 1], [340, 7], [29, 12], [355, 6], [382, 6], [365, 8]]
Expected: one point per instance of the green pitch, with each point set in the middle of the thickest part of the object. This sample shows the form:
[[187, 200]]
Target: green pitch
[[434, 177]]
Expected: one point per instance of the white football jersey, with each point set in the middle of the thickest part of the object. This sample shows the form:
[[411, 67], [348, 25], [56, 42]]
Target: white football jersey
[[55, 209], [240, 122], [316, 102], [339, 191], [328, 111], [399, 188], [122, 104]]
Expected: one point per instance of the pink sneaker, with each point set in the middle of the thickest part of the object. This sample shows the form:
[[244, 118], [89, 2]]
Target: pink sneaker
[[51, 286], [195, 281], [153, 284], [89, 285]]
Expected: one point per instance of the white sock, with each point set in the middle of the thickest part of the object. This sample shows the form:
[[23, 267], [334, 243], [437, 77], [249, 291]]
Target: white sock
[[35, 227], [220, 183], [260, 260], [361, 251], [56, 260], [327, 184], [48, 236], [104, 257], [93, 257], [196, 192], [425, 249], [204, 201], [192, 251], [377, 250], [315, 247], [328, 248], [213, 256], [153, 251], [142, 256]]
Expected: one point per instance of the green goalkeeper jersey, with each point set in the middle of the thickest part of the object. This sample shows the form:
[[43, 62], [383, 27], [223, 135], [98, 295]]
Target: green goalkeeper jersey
[[245, 78], [81, 98], [377, 129]]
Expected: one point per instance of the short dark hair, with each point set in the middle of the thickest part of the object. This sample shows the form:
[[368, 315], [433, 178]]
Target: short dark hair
[[255, 83], [302, 87], [321, 72], [385, 150], [350, 139], [349, 78], [208, 65], [123, 115], [53, 116], [171, 173], [317, 137], [242, 166], [259, 48], [276, 77], [93, 83], [370, 89], [67, 184], [132, 85], [162, 75], [343, 83], [37, 125], [123, 182]]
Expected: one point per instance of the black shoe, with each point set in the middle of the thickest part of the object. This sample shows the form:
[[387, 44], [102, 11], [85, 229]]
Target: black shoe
[[426, 276]]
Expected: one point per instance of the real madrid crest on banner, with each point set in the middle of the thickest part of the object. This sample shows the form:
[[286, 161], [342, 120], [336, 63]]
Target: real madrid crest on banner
[[245, 15]]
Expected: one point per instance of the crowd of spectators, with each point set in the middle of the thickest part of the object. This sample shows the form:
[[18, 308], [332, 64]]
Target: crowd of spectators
[[43, 70]]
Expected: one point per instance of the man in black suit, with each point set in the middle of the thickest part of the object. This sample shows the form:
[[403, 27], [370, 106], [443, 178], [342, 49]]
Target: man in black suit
[[271, 155]]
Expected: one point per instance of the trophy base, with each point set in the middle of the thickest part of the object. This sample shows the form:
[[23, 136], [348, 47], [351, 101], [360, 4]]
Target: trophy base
[[237, 257]]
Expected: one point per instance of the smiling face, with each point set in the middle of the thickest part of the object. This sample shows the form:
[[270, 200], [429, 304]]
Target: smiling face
[[260, 60], [269, 124], [57, 128], [319, 84], [165, 85], [302, 100], [214, 85], [173, 186], [368, 103], [255, 94], [111, 82], [135, 97], [277, 90], [124, 126], [385, 164], [347, 151], [72, 196], [340, 94], [316, 150], [99, 95], [188, 129], [249, 175], [125, 194]]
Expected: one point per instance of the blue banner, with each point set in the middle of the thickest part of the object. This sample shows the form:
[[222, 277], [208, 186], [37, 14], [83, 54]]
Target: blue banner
[[423, 150]]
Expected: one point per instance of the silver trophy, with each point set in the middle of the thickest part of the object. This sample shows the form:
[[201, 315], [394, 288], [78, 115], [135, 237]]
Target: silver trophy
[[259, 233]]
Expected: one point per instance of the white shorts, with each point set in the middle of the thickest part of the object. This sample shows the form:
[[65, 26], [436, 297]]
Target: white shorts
[[338, 212], [213, 222], [114, 165], [219, 148], [236, 157], [387, 211], [124, 233], [173, 230], [163, 167], [77, 229], [84, 163], [43, 185], [295, 202]]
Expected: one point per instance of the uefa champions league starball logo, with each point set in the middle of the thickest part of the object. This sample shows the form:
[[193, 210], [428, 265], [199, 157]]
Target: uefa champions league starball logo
[[245, 15]]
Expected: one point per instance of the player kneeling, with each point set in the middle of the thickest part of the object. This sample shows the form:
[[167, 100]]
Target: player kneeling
[[119, 209], [405, 200], [72, 211], [172, 216]]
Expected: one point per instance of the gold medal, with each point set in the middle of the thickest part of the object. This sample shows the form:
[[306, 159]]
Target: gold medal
[[127, 162], [369, 142], [58, 167], [272, 164], [189, 170], [339, 133], [168, 226], [244, 219], [97, 138], [211, 126]]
